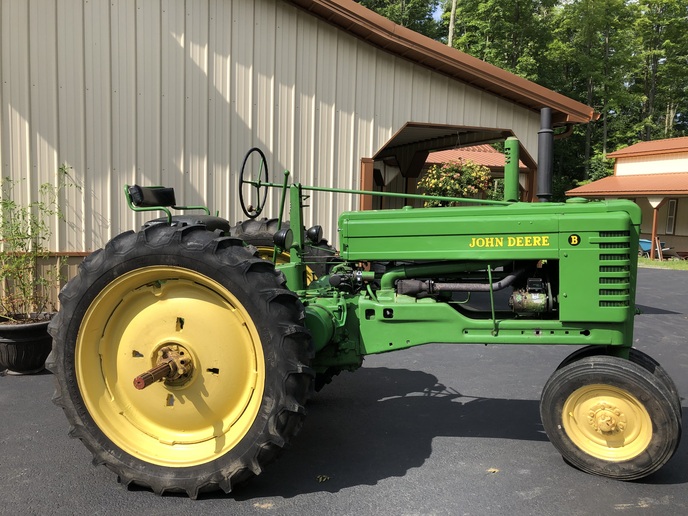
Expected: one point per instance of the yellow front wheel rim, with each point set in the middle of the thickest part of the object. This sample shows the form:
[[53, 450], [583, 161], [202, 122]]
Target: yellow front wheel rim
[[172, 424], [607, 422]]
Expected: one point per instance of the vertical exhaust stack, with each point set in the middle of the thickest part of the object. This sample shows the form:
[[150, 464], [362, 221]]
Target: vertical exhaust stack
[[545, 146]]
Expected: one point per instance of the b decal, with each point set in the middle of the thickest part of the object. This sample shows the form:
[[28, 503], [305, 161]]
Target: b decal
[[574, 239]]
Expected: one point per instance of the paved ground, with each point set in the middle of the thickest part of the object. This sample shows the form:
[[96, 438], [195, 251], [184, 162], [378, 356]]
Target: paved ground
[[444, 430]]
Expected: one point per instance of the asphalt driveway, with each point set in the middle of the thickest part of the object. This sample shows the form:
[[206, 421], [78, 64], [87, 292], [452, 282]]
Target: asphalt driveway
[[441, 430]]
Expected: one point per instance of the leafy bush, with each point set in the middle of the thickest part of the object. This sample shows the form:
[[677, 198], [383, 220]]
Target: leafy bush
[[461, 178], [25, 233]]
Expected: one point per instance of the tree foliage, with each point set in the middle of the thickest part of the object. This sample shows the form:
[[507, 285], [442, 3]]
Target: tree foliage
[[416, 15], [462, 178], [506, 33]]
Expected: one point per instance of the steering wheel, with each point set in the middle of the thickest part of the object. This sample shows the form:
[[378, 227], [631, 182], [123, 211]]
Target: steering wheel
[[257, 184]]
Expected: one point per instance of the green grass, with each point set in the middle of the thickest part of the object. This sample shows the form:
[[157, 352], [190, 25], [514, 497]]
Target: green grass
[[677, 265]]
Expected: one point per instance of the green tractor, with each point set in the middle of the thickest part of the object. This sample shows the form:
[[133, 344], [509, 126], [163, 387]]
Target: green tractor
[[185, 352]]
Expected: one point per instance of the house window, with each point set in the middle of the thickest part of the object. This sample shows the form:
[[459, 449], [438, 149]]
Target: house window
[[671, 216]]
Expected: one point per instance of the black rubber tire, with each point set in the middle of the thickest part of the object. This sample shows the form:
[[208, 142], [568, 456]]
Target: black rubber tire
[[614, 375], [318, 257], [637, 357], [275, 312]]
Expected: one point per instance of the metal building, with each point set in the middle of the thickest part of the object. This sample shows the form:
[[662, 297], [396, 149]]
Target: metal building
[[175, 92]]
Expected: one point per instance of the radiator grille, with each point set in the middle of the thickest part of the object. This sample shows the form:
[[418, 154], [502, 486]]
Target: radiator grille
[[614, 279], [614, 268], [610, 257], [611, 281], [613, 292]]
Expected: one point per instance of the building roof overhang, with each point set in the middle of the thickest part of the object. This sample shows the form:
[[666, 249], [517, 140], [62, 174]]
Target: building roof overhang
[[395, 39], [653, 148], [641, 185]]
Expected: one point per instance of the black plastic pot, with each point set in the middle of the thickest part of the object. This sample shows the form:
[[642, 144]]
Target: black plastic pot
[[24, 347]]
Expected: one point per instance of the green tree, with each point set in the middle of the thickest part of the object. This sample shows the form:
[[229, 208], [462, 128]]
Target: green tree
[[662, 79], [511, 34], [591, 50], [416, 15]]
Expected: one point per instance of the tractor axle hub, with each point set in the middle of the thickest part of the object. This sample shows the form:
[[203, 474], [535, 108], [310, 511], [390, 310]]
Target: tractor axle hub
[[173, 364]]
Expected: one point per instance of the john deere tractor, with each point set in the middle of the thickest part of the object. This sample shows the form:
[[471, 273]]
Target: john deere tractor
[[185, 352]]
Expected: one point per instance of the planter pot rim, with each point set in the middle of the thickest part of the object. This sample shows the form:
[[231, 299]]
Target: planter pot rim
[[42, 318]]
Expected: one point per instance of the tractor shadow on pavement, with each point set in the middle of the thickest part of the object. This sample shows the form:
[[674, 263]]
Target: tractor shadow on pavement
[[652, 310], [380, 423]]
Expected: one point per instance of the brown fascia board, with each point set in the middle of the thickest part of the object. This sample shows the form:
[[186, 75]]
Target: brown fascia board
[[652, 151], [668, 184], [381, 32]]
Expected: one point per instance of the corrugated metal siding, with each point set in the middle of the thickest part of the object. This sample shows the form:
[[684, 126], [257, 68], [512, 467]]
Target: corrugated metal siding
[[175, 92]]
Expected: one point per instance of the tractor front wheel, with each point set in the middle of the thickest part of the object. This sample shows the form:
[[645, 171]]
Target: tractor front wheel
[[181, 359], [610, 417]]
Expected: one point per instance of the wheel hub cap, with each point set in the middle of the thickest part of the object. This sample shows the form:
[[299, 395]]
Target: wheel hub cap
[[606, 419]]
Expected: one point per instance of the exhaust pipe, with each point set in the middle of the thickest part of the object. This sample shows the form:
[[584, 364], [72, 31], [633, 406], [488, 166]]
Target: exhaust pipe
[[545, 146]]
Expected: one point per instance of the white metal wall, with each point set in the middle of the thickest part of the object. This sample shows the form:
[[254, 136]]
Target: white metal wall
[[654, 164], [175, 92]]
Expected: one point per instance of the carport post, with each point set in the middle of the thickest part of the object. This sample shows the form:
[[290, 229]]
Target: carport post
[[367, 174]]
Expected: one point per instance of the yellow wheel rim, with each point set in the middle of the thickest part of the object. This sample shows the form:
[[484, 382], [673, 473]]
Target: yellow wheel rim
[[267, 253], [607, 423], [172, 425]]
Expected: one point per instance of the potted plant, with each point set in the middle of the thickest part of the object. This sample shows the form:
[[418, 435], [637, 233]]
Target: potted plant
[[27, 278]]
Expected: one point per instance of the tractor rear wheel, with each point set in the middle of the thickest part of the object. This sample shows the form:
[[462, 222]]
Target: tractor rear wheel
[[610, 417], [236, 392], [318, 257]]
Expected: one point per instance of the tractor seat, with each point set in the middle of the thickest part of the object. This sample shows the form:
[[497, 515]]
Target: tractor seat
[[159, 198]]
